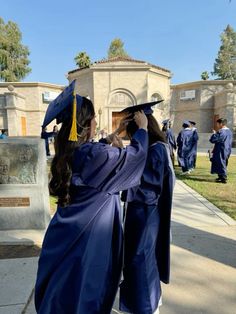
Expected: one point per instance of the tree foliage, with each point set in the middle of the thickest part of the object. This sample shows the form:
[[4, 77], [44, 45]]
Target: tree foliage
[[13, 54], [205, 76], [116, 49], [82, 60], [225, 63]]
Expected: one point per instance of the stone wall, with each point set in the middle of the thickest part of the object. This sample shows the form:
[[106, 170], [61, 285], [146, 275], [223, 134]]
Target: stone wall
[[24, 197]]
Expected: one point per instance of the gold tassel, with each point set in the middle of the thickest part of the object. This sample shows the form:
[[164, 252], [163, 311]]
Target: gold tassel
[[73, 132]]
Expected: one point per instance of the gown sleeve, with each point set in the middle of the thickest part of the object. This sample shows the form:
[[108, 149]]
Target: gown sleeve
[[112, 169], [154, 177], [218, 137]]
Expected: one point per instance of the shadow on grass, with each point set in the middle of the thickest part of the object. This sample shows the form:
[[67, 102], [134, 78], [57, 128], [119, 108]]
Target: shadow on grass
[[192, 178], [19, 251]]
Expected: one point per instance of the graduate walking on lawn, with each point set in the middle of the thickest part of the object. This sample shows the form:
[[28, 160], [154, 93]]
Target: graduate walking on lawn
[[193, 153], [185, 142], [170, 138], [222, 140], [147, 225], [80, 264]]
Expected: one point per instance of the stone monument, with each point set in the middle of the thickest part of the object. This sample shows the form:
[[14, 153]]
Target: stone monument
[[24, 197]]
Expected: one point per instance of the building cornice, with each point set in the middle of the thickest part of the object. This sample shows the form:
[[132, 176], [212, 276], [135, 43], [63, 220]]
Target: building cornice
[[31, 84], [202, 83], [119, 63]]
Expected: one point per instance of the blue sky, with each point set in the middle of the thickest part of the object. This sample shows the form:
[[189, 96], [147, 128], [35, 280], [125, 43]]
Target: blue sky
[[180, 35]]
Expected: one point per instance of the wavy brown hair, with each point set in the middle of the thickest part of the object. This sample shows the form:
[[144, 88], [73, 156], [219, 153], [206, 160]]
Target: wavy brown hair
[[154, 132], [61, 168]]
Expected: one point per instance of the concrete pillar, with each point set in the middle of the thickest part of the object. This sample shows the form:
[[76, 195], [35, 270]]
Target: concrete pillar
[[13, 125]]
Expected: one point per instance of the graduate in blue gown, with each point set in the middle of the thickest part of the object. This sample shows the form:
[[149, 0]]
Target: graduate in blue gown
[[193, 157], [46, 135], [185, 143], [222, 140], [147, 227], [170, 138], [80, 263]]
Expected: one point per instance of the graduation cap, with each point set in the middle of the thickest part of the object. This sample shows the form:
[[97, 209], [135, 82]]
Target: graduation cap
[[186, 122], [147, 107], [67, 104], [165, 121]]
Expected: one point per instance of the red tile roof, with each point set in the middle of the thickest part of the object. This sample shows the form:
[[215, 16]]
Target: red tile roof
[[121, 59]]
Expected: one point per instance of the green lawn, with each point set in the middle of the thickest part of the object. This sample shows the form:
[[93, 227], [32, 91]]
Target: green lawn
[[53, 205], [222, 195]]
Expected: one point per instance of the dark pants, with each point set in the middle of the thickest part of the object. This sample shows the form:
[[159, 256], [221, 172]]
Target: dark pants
[[47, 147], [223, 177]]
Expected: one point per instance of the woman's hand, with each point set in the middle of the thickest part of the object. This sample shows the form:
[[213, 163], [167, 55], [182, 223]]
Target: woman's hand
[[123, 124], [141, 120]]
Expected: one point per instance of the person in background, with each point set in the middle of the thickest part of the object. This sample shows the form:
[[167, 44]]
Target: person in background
[[81, 259], [46, 135], [3, 134], [53, 135], [193, 153], [170, 138], [185, 142], [147, 225], [222, 140], [55, 131]]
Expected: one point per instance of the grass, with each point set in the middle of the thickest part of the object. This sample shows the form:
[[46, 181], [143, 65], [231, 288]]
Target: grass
[[221, 195], [53, 205]]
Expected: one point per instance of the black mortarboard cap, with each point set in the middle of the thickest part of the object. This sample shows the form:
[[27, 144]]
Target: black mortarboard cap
[[186, 122], [61, 108], [147, 107], [165, 121]]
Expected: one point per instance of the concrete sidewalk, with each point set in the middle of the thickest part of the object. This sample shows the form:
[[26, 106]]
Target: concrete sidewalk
[[203, 270]]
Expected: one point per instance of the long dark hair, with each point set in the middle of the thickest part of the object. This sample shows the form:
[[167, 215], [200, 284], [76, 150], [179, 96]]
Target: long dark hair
[[154, 132], [164, 128], [61, 168]]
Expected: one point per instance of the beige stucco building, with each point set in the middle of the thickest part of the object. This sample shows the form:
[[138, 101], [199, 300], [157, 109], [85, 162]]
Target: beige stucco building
[[23, 106], [204, 102], [117, 83]]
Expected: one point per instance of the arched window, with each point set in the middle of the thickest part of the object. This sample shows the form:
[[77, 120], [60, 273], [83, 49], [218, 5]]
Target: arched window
[[120, 99], [156, 97]]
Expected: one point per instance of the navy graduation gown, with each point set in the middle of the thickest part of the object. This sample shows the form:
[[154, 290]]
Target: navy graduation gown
[[81, 259], [193, 152], [185, 142], [221, 151], [170, 137], [147, 234]]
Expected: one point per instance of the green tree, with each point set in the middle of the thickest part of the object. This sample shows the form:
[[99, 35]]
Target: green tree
[[116, 49], [225, 63], [13, 54], [205, 75], [82, 60]]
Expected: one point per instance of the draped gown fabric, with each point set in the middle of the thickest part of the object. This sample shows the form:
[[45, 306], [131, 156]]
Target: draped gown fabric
[[221, 151], [185, 141], [193, 152], [81, 259], [147, 234], [170, 138]]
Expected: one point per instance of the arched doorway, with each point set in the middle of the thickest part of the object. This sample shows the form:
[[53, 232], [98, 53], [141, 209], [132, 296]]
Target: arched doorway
[[118, 100]]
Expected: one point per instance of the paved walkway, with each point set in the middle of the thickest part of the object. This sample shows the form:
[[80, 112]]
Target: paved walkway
[[203, 270]]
